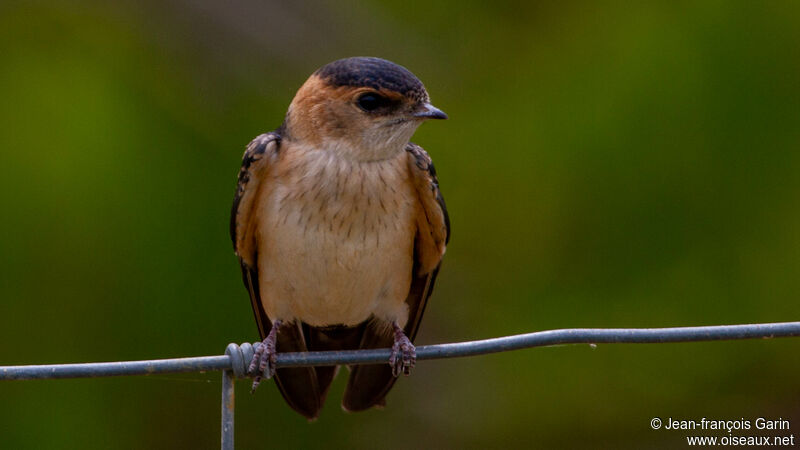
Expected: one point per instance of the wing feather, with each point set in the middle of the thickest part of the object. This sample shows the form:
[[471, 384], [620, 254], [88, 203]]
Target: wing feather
[[433, 235], [258, 158]]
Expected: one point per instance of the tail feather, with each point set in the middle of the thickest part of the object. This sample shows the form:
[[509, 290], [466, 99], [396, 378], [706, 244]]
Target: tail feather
[[330, 338], [299, 385], [368, 385]]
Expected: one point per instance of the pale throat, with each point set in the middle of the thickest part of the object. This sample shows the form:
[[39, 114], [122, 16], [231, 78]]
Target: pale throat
[[368, 147], [378, 142]]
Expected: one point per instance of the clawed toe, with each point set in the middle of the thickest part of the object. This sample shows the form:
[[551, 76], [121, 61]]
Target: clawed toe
[[264, 358], [403, 359], [404, 354]]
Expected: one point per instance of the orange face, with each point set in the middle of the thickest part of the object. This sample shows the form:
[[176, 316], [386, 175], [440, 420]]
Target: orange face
[[368, 120]]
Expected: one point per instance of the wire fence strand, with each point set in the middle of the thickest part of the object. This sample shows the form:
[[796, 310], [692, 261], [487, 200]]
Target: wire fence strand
[[237, 357], [235, 361]]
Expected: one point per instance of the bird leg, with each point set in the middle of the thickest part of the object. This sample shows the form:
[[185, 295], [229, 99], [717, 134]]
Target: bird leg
[[404, 354], [264, 356]]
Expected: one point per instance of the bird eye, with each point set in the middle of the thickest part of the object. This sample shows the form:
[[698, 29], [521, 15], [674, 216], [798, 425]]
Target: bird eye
[[371, 101]]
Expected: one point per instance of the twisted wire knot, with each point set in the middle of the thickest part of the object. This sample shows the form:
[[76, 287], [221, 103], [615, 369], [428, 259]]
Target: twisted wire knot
[[240, 356]]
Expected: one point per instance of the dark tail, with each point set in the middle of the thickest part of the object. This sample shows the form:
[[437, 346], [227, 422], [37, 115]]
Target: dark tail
[[369, 384], [305, 388]]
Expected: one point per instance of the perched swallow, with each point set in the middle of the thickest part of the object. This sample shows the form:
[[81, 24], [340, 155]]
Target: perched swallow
[[340, 229]]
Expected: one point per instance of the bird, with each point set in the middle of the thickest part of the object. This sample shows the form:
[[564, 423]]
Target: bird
[[340, 228]]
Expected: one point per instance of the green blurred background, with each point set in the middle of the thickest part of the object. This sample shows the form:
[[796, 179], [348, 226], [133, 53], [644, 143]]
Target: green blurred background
[[625, 164]]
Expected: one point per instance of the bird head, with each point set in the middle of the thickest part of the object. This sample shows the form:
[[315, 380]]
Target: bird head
[[361, 108]]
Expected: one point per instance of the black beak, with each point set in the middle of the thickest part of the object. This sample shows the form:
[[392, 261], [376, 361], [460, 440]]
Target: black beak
[[428, 111]]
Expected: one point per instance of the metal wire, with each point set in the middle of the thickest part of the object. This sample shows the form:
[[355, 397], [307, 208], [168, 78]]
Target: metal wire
[[227, 409], [234, 362], [237, 357]]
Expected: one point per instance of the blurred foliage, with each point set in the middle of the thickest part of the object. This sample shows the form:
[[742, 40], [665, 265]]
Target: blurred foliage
[[606, 164]]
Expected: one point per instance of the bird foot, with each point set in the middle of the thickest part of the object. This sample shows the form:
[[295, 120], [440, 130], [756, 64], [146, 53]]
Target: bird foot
[[264, 357], [404, 354]]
